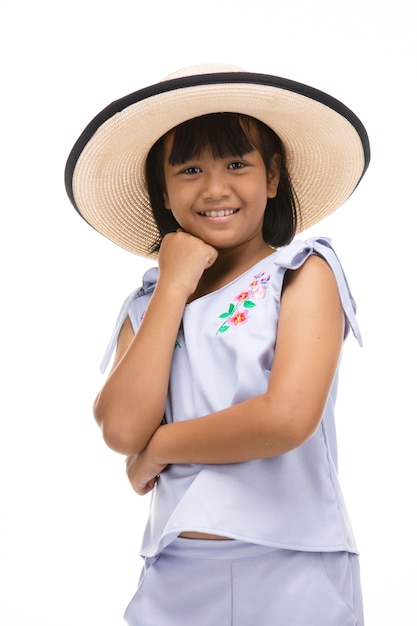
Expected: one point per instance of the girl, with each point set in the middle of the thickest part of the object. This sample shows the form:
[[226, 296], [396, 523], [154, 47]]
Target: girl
[[223, 385]]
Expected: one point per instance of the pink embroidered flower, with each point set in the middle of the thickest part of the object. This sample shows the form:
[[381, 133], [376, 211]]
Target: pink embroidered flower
[[242, 296], [259, 293], [240, 318]]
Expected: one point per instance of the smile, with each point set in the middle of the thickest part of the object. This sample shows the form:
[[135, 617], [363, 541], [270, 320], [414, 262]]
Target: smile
[[221, 213]]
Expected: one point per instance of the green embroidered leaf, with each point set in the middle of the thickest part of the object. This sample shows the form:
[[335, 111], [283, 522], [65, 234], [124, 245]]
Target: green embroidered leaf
[[223, 328], [230, 312], [248, 304]]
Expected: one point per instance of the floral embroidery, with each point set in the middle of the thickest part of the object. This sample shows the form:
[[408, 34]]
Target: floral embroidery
[[238, 312]]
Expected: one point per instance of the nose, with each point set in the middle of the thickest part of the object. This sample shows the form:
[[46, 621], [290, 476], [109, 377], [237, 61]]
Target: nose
[[216, 186]]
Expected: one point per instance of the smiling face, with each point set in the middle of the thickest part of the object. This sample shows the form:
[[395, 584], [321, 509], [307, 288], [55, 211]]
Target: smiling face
[[238, 141], [220, 199]]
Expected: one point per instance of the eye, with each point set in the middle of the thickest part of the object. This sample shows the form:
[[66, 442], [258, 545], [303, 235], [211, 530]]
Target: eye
[[191, 170], [237, 165]]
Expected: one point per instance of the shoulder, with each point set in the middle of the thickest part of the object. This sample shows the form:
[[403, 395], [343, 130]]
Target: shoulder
[[132, 309], [136, 303], [312, 286], [306, 264], [314, 272], [314, 276], [310, 262]]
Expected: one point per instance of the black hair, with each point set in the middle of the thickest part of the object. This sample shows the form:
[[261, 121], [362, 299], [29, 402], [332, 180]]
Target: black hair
[[225, 134]]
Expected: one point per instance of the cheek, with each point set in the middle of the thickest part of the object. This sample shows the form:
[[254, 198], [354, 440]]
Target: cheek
[[179, 198], [171, 197], [263, 193]]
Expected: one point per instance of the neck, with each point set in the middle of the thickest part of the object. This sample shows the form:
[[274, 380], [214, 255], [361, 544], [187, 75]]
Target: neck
[[230, 264], [241, 258]]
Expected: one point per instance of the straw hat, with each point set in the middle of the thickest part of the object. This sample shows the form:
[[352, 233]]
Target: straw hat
[[326, 145]]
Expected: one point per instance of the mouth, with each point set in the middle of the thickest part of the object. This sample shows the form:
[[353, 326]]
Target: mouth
[[220, 213]]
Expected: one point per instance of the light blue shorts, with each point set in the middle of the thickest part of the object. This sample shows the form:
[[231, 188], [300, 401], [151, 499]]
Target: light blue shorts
[[231, 583]]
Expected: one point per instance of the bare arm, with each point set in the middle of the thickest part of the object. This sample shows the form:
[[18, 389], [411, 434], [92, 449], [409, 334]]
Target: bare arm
[[131, 404], [308, 346]]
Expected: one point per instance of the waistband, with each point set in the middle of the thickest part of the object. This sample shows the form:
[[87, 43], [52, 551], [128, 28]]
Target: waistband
[[215, 549]]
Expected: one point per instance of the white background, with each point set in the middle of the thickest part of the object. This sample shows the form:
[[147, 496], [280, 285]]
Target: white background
[[70, 523]]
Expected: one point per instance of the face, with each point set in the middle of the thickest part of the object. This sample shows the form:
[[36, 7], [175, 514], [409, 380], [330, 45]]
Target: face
[[220, 200]]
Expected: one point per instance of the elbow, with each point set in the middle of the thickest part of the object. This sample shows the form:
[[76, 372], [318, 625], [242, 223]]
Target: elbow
[[301, 426], [292, 427], [121, 439], [117, 430]]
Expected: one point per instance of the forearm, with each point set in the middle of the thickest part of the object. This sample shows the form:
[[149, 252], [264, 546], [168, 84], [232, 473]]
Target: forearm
[[131, 405], [254, 429]]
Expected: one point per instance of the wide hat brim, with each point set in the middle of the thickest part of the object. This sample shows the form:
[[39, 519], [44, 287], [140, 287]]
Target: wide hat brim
[[327, 147]]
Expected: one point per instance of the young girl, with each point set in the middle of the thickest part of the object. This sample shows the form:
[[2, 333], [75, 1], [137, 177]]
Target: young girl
[[223, 386]]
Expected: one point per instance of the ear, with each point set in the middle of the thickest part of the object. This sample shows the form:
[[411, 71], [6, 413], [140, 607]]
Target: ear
[[273, 176]]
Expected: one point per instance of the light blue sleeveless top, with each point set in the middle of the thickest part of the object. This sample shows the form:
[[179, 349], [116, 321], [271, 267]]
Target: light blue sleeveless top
[[223, 355]]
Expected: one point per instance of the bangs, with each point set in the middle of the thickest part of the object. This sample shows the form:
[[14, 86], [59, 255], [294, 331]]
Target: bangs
[[224, 134]]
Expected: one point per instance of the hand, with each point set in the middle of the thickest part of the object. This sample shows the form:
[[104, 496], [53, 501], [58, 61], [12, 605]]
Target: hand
[[142, 472], [183, 258]]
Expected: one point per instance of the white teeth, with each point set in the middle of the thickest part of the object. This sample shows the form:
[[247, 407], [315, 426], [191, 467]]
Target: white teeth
[[222, 213]]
